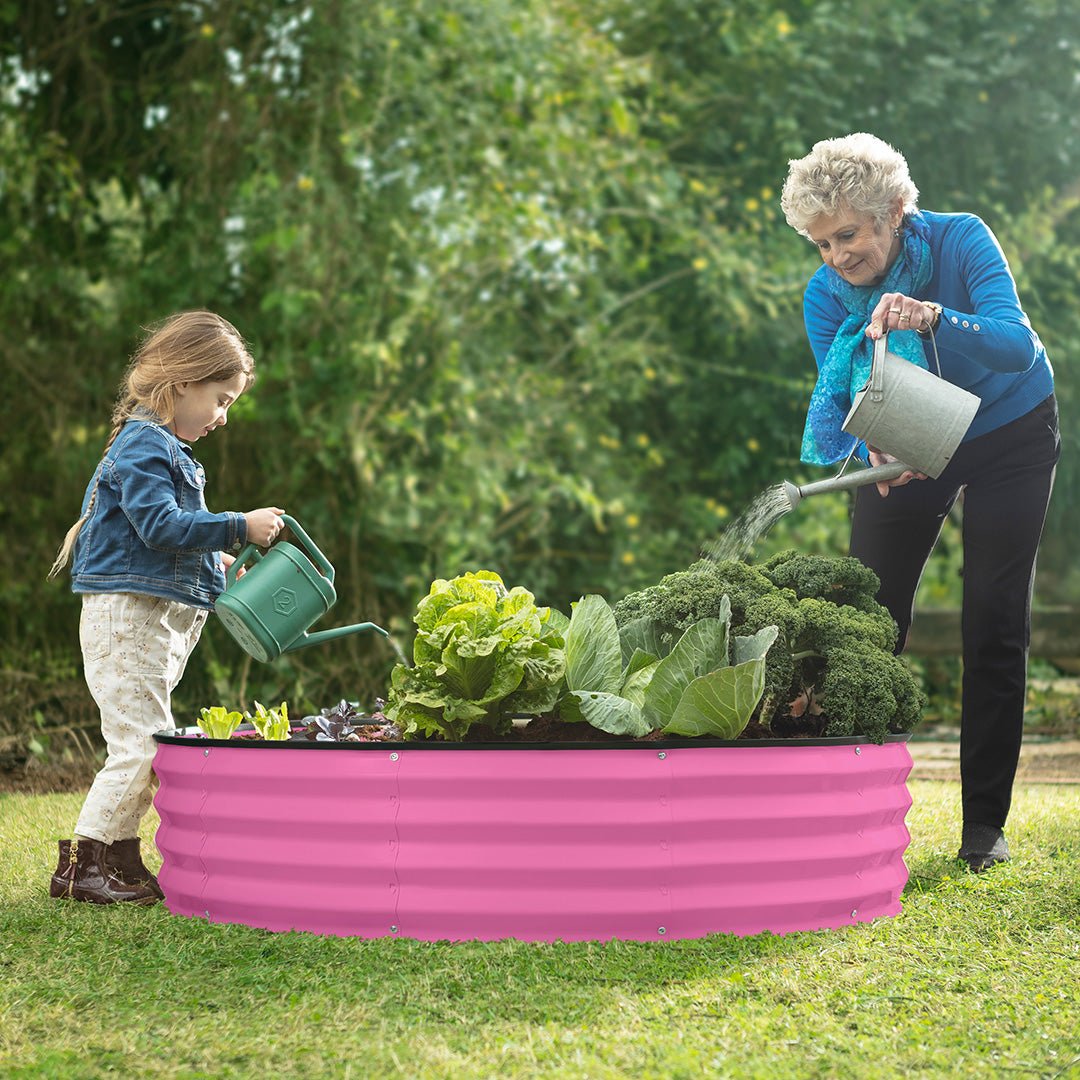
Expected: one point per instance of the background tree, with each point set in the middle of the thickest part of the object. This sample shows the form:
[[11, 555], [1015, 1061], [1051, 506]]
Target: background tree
[[514, 274]]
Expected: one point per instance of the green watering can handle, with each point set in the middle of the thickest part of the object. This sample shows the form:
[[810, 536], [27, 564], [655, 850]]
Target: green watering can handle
[[238, 563], [317, 557], [252, 550]]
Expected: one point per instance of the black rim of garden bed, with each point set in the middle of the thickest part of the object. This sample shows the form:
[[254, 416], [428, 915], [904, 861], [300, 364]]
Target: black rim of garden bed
[[181, 737]]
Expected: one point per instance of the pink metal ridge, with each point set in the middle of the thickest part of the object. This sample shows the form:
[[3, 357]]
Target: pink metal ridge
[[639, 844]]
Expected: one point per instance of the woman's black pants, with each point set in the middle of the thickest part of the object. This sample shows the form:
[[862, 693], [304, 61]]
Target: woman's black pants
[[1006, 477]]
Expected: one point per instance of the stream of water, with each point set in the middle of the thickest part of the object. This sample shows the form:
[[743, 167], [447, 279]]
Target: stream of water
[[739, 538], [399, 652]]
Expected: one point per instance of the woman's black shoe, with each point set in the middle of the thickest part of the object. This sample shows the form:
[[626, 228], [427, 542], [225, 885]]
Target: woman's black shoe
[[983, 846]]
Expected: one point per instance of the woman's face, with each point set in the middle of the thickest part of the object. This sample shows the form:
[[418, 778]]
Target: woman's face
[[855, 246]]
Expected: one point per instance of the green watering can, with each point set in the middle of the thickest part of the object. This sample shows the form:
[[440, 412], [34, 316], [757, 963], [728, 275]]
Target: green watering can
[[270, 608]]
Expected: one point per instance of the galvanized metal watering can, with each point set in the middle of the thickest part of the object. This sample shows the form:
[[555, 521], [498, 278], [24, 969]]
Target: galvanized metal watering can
[[269, 609], [906, 412]]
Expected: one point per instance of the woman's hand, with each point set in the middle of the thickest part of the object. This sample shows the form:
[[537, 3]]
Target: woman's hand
[[878, 458], [895, 311], [263, 525]]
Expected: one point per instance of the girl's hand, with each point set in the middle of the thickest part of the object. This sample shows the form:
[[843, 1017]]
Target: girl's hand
[[878, 458], [227, 560], [263, 525], [895, 311]]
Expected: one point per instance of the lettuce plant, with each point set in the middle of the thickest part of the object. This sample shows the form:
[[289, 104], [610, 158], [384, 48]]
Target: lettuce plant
[[271, 724], [630, 682], [482, 653], [218, 722]]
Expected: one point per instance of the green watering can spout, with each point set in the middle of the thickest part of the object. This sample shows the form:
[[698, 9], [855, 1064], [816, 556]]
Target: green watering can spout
[[268, 610], [320, 636]]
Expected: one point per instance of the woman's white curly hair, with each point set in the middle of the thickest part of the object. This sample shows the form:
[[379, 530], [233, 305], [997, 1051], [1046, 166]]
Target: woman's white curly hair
[[857, 171]]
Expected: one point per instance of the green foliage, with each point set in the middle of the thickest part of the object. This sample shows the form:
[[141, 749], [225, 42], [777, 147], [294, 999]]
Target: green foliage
[[514, 273], [482, 653]]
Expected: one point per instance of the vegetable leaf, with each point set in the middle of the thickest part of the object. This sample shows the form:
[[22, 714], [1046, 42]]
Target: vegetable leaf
[[593, 651], [608, 712]]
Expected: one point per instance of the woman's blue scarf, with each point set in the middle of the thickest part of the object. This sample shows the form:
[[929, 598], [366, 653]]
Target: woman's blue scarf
[[846, 368]]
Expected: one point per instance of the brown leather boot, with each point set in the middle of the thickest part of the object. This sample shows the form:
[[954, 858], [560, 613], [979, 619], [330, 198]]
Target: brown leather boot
[[81, 874], [123, 859]]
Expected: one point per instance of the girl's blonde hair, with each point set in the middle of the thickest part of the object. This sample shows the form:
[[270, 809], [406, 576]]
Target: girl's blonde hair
[[859, 171], [192, 346]]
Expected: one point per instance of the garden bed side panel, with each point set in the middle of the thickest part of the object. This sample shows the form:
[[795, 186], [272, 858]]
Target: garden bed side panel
[[539, 845], [278, 840]]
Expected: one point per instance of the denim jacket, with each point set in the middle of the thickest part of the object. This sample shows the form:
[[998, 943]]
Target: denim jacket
[[149, 530]]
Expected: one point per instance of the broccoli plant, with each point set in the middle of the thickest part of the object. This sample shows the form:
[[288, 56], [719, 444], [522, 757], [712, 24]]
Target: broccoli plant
[[832, 669]]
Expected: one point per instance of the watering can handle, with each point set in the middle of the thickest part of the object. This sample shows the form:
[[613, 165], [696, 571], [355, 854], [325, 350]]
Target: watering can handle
[[237, 564], [877, 368], [317, 557]]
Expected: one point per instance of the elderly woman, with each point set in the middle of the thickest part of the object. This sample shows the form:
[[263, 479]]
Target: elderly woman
[[927, 278]]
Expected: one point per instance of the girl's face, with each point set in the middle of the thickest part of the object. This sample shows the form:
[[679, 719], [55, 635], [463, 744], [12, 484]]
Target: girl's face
[[203, 406], [855, 246]]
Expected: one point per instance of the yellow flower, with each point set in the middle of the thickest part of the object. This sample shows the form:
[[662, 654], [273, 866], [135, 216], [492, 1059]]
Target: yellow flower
[[305, 183], [642, 440], [633, 521], [608, 442], [699, 263], [206, 30], [697, 187], [766, 193], [752, 205], [721, 511], [984, 97], [627, 558], [753, 445], [783, 27], [649, 373]]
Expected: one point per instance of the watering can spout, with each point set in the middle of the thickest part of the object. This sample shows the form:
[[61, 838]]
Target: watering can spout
[[877, 475], [304, 640]]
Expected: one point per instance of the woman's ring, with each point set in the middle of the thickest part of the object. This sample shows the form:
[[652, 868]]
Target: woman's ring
[[894, 311], [903, 317]]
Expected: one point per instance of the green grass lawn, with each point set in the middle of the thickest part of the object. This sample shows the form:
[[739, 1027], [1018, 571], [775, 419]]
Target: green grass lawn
[[977, 977]]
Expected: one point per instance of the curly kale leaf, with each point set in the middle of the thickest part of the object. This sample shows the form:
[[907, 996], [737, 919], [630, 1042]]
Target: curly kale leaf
[[841, 580]]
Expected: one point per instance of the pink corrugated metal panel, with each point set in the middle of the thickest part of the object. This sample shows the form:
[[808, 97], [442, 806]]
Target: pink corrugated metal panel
[[638, 844]]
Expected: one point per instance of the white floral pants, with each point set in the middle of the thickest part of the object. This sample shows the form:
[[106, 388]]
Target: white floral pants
[[135, 649]]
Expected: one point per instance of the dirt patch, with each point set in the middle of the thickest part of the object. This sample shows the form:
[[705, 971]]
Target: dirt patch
[[1042, 761], [36, 778]]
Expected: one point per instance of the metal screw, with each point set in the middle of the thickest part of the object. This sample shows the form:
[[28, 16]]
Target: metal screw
[[207, 914], [661, 756], [858, 749], [393, 756], [206, 752], [854, 913], [393, 929], [661, 929]]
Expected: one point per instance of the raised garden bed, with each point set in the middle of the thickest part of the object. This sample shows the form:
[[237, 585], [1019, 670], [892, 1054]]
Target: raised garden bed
[[638, 840]]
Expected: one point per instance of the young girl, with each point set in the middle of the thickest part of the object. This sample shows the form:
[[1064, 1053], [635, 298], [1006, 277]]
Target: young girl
[[149, 559]]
